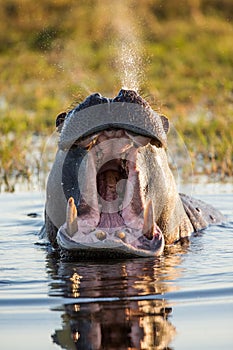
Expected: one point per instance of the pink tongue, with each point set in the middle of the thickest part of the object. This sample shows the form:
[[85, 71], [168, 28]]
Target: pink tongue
[[110, 220]]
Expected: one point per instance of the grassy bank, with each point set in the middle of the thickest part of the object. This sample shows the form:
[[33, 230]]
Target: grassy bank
[[55, 52]]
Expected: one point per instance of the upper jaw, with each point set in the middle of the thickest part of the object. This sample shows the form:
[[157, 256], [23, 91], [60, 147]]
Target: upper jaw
[[111, 214], [134, 117]]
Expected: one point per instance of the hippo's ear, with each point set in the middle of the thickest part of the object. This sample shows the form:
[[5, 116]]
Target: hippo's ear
[[60, 119], [165, 123]]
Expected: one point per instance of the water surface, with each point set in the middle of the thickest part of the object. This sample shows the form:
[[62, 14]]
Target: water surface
[[182, 301]]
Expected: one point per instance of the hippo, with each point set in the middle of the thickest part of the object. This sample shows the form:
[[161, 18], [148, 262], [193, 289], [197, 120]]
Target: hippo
[[110, 192]]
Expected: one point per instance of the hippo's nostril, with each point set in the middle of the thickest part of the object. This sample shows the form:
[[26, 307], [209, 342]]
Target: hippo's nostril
[[126, 96], [97, 94]]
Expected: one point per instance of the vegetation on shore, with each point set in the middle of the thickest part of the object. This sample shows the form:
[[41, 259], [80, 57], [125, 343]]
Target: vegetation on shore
[[53, 53]]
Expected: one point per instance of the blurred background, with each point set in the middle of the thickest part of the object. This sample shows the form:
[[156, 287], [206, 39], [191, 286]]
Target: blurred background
[[177, 54]]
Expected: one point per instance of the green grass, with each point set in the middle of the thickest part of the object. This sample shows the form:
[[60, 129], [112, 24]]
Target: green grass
[[68, 49]]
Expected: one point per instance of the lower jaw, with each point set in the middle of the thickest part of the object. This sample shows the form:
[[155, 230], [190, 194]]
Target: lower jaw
[[72, 248], [110, 233]]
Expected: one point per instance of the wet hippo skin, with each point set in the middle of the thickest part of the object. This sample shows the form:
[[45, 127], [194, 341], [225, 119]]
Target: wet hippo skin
[[110, 192]]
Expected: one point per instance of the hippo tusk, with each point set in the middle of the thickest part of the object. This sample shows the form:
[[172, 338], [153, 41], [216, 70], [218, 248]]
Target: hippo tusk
[[71, 217], [148, 226]]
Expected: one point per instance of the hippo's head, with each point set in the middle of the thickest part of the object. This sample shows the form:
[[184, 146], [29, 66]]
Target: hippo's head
[[110, 191]]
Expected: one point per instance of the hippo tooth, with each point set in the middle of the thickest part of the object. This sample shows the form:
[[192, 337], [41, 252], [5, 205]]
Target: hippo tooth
[[71, 217], [148, 226], [120, 235], [101, 235]]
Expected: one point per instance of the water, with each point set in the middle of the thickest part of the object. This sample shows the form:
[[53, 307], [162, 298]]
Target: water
[[181, 301], [130, 64], [129, 53]]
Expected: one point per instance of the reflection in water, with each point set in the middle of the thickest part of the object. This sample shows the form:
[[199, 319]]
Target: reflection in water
[[119, 305]]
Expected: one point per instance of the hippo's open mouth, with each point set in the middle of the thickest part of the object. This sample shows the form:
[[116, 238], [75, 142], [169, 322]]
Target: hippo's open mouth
[[110, 214]]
